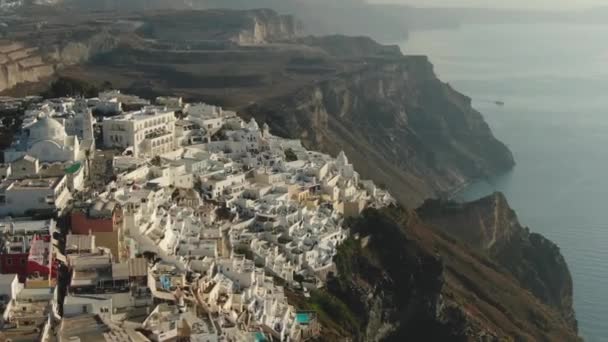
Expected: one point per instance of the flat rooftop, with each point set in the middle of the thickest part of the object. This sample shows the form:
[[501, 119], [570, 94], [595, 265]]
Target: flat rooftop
[[89, 328], [36, 183], [26, 227], [140, 115]]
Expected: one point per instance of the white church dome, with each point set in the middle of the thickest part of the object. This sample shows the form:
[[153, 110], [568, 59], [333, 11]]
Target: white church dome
[[47, 129]]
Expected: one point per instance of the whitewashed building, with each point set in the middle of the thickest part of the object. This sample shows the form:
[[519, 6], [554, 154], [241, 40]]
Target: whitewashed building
[[149, 132]]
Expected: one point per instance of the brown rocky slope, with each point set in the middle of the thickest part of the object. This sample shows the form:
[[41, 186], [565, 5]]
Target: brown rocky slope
[[396, 120], [402, 280], [491, 227]]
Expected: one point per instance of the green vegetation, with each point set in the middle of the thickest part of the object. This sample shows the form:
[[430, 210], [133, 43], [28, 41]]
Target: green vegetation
[[333, 312], [64, 86], [347, 252], [156, 161], [290, 155]]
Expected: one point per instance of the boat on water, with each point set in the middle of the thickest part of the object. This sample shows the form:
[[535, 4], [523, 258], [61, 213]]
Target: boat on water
[[499, 103]]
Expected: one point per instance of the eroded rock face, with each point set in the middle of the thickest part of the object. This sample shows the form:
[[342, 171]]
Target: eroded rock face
[[266, 26], [254, 27], [32, 62], [399, 124], [490, 226], [410, 282]]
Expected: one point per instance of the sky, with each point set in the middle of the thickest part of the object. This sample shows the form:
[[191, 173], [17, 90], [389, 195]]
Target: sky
[[527, 4]]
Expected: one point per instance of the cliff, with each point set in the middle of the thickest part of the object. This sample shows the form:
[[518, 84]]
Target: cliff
[[401, 280], [319, 17], [252, 27], [491, 227], [33, 60], [395, 119], [20, 64]]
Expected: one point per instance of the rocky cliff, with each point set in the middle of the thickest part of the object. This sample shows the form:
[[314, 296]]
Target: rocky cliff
[[401, 280], [19, 64], [34, 60], [395, 119], [491, 227], [252, 27]]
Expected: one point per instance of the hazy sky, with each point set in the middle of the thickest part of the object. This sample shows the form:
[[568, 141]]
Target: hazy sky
[[536, 4]]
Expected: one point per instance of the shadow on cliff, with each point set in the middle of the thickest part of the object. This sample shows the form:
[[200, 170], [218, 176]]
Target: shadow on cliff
[[403, 280]]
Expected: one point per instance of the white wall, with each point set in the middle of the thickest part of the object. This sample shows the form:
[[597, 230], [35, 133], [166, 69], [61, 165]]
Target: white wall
[[11, 289], [20, 200]]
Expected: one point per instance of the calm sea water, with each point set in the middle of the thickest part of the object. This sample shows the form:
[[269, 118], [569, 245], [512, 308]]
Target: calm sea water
[[554, 82]]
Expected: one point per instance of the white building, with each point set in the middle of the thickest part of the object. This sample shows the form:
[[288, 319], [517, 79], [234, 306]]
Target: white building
[[150, 132], [46, 140], [9, 287], [210, 118], [166, 321], [36, 194]]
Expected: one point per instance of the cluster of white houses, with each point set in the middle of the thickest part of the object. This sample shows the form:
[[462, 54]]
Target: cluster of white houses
[[204, 215]]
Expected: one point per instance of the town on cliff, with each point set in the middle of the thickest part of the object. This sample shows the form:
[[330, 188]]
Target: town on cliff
[[165, 221]]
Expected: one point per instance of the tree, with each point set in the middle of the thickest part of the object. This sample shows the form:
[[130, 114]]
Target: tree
[[64, 86], [290, 155], [107, 85], [156, 161]]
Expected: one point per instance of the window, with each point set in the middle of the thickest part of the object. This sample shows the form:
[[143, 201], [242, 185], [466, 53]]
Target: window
[[9, 261], [23, 261]]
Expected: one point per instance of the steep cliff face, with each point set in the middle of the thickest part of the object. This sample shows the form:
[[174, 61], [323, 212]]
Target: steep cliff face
[[253, 27], [81, 50], [19, 64], [403, 281], [399, 124], [490, 226], [350, 47], [130, 5], [267, 27], [34, 61]]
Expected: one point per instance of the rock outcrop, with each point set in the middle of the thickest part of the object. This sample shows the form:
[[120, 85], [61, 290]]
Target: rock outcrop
[[402, 280], [35, 60], [268, 27], [491, 227], [255, 27], [19, 64]]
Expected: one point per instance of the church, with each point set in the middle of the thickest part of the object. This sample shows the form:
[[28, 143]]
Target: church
[[46, 139]]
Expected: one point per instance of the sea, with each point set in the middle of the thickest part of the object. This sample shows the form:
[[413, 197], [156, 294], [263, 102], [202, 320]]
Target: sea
[[553, 80]]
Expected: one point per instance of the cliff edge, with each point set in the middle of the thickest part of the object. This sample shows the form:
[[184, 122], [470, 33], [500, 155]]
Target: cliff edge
[[491, 227], [396, 120], [401, 280]]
